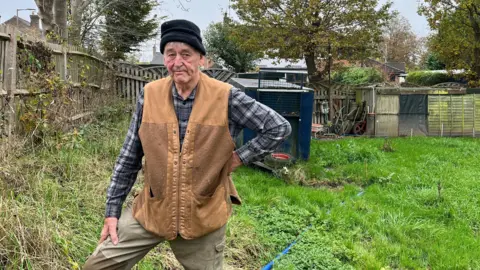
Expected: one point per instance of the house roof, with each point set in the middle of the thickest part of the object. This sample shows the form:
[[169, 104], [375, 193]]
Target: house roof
[[157, 59], [21, 22], [397, 65], [391, 67]]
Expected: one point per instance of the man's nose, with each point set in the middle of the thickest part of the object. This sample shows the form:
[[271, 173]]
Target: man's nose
[[178, 61]]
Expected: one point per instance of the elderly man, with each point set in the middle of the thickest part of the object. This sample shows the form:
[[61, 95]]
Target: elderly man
[[184, 125]]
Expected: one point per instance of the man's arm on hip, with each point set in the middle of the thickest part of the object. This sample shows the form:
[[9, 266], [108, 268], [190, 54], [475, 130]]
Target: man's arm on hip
[[272, 128]]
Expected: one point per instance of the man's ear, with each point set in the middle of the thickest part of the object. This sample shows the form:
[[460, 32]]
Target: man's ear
[[202, 61]]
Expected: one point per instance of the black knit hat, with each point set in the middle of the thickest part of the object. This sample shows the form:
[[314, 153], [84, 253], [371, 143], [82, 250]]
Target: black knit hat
[[183, 31]]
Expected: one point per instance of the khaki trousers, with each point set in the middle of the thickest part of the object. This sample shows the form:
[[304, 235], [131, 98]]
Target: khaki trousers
[[134, 242]]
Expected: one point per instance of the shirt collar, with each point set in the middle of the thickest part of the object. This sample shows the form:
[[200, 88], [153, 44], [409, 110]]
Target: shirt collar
[[176, 95]]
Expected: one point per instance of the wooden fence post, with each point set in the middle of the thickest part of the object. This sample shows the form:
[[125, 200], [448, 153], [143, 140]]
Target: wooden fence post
[[331, 108], [11, 78], [65, 63]]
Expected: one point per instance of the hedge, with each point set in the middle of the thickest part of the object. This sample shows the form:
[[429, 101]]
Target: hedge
[[428, 78]]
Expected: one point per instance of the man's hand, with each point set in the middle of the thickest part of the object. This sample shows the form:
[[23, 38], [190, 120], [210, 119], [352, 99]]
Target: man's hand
[[236, 162], [109, 228]]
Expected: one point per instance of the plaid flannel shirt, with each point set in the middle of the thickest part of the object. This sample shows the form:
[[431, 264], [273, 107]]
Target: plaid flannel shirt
[[272, 129]]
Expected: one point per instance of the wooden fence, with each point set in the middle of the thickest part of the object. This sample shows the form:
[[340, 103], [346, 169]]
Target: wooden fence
[[342, 96], [86, 73], [4, 42], [130, 79], [454, 115]]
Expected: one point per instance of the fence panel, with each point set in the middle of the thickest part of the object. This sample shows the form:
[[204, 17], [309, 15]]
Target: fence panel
[[453, 115], [84, 71]]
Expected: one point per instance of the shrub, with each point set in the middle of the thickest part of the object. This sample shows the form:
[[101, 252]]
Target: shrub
[[428, 78], [356, 75]]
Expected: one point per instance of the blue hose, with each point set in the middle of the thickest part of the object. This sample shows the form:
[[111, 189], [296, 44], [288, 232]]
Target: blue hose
[[269, 266]]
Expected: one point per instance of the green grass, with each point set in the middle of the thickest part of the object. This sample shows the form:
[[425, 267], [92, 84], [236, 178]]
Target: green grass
[[419, 209]]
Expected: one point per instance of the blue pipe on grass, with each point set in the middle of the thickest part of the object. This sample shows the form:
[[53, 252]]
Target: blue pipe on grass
[[269, 266]]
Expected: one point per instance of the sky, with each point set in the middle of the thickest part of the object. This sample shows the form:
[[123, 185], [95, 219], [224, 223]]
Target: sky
[[203, 14]]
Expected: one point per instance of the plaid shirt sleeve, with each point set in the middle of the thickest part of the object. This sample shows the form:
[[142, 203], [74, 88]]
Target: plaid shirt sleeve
[[272, 128], [127, 166]]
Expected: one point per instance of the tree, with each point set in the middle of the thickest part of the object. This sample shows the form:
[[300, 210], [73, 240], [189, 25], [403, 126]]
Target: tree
[[54, 16], [433, 63], [78, 13], [127, 25], [60, 7], [312, 30], [87, 14], [79, 20], [132, 58], [224, 48], [45, 11], [457, 39], [400, 43]]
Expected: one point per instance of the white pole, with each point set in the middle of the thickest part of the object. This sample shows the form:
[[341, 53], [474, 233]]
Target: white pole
[[441, 132]]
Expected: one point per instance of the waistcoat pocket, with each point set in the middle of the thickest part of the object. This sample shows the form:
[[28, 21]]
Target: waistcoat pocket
[[209, 213], [206, 187], [157, 185], [154, 138]]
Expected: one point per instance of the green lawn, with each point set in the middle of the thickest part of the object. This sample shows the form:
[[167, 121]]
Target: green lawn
[[419, 208]]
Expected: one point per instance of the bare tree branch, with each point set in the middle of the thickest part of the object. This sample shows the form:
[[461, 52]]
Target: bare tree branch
[[182, 6]]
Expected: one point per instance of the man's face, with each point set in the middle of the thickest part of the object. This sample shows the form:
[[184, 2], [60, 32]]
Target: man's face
[[182, 62]]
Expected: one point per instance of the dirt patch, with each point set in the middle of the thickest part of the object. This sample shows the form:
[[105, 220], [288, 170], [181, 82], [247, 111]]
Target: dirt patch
[[299, 176], [328, 184]]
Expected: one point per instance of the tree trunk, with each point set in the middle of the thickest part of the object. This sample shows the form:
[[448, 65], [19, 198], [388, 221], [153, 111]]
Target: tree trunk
[[476, 58], [45, 11], [313, 74], [60, 7], [75, 29], [77, 9], [476, 52], [476, 49]]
